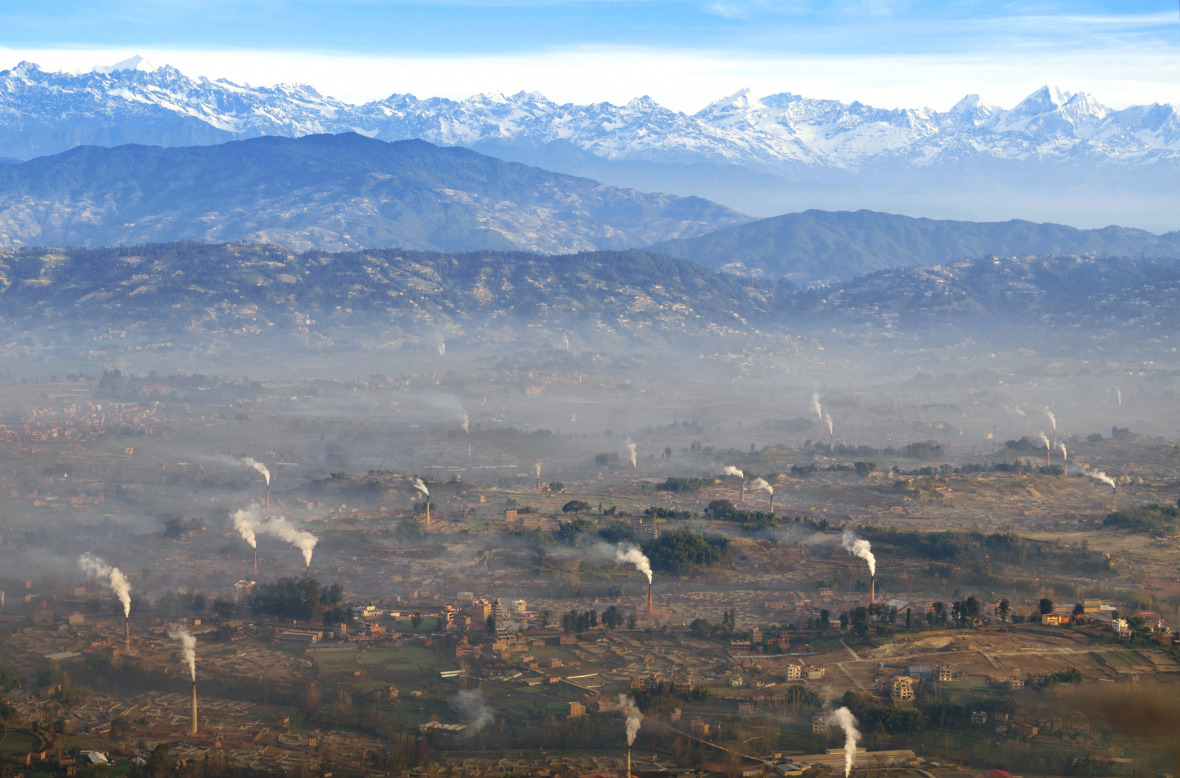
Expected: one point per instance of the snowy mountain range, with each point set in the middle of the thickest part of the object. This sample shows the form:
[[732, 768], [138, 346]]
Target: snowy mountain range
[[756, 154]]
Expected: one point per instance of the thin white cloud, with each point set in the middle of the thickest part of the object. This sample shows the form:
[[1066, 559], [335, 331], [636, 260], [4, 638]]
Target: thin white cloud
[[678, 79]]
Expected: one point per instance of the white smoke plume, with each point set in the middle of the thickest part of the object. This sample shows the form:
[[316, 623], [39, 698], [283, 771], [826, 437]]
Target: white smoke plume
[[760, 484], [1098, 475], [629, 708], [116, 581], [466, 424], [246, 522], [1052, 418], [628, 553], [859, 547], [731, 470], [537, 468], [816, 408], [261, 468], [1119, 394], [471, 705], [1044, 439], [631, 452], [828, 421], [1017, 411], [300, 539], [565, 341], [442, 348], [1064, 452], [188, 645], [843, 718], [420, 485]]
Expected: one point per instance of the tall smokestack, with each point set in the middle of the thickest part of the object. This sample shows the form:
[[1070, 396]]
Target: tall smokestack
[[772, 502], [127, 633], [628, 763], [428, 511], [742, 493], [256, 562], [268, 495], [873, 590], [192, 729], [650, 607]]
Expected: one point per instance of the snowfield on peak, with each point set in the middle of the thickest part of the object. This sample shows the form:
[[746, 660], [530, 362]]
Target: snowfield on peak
[[770, 133]]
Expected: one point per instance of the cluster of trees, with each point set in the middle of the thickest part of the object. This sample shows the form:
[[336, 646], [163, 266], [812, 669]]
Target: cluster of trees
[[875, 717], [923, 450], [703, 628], [962, 613], [668, 513], [682, 551], [1151, 519], [575, 531], [656, 695], [9, 680], [576, 621], [301, 599], [617, 531], [569, 532], [724, 510], [1007, 547], [678, 485]]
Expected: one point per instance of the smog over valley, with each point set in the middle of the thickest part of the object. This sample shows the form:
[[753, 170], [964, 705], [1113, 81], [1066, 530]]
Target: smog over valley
[[546, 388]]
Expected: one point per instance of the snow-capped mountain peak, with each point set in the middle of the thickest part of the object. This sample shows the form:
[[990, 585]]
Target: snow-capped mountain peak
[[135, 62], [132, 101]]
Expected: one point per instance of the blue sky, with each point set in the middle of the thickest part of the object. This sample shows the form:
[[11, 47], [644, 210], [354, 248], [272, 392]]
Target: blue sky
[[684, 54]]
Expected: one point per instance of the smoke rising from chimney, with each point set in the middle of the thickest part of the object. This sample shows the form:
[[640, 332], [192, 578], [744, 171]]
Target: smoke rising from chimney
[[760, 484], [261, 468], [466, 424], [731, 470], [300, 539], [631, 452], [246, 522], [628, 553], [116, 581], [859, 547], [1045, 440], [817, 409], [1052, 419], [188, 646], [828, 421], [630, 709], [843, 718], [1098, 475], [420, 485]]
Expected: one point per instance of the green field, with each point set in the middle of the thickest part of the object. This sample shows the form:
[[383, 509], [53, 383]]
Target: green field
[[1122, 659], [18, 742]]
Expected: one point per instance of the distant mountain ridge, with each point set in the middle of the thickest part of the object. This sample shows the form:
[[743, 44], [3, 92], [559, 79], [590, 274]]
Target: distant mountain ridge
[[241, 296], [43, 112], [826, 246], [332, 192], [1101, 164]]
